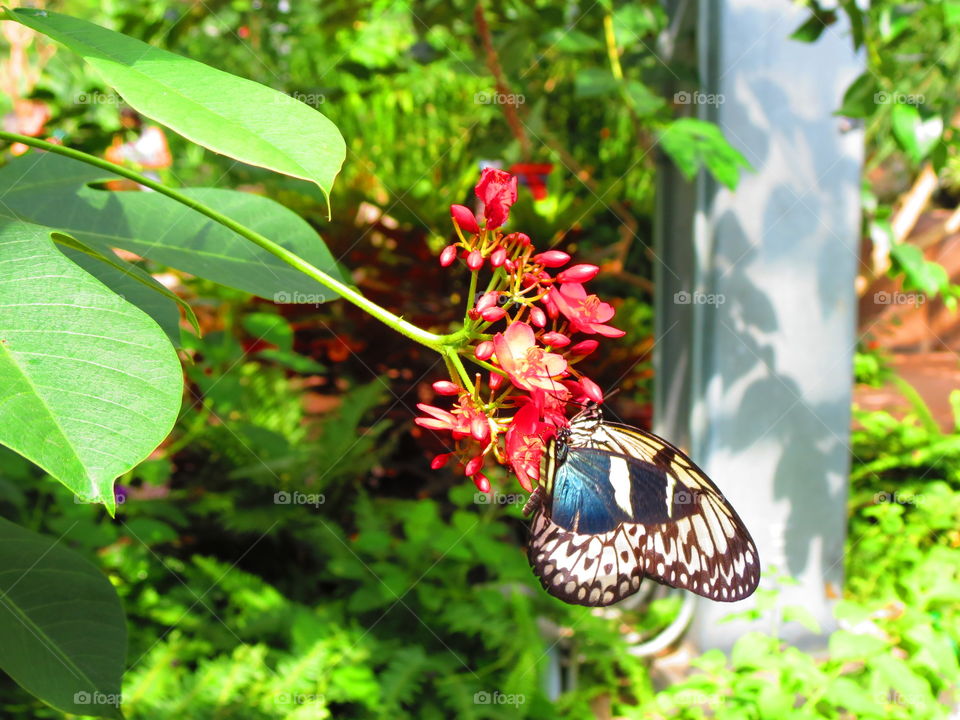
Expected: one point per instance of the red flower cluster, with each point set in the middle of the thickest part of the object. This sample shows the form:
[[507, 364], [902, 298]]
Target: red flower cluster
[[521, 330]]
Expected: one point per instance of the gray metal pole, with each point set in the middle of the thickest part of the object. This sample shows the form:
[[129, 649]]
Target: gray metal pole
[[754, 358]]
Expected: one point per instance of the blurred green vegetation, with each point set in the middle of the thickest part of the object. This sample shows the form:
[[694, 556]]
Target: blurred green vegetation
[[289, 554]]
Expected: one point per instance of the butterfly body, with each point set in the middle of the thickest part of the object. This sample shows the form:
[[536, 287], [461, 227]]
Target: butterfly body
[[617, 504]]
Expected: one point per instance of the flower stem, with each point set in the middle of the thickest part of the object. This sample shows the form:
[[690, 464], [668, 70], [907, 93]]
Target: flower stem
[[430, 340]]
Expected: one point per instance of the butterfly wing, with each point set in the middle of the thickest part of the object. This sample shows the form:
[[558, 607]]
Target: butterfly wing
[[624, 504], [585, 569]]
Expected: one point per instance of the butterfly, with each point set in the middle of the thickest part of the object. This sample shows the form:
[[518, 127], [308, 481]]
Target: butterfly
[[616, 504]]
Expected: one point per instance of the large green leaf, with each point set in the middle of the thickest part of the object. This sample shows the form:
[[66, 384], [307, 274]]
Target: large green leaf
[[230, 115], [132, 284], [64, 634], [53, 190], [89, 384]]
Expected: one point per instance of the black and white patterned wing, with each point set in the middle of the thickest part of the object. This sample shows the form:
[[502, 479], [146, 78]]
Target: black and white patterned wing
[[583, 569], [653, 512]]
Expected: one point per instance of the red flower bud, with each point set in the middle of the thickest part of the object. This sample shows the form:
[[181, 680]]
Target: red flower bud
[[440, 460], [493, 314], [498, 257], [578, 274], [584, 347], [522, 238], [537, 316], [552, 258], [480, 429], [464, 218], [510, 266], [448, 255], [487, 300], [554, 339], [482, 483], [474, 260], [473, 465], [445, 387], [484, 350], [496, 381], [591, 389]]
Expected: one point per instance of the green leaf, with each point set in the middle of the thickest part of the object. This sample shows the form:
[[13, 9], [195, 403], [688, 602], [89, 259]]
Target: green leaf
[[593, 83], [645, 102], [845, 693], [269, 328], [916, 135], [227, 114], [862, 97], [132, 284], [570, 41], [919, 273], [693, 144], [52, 190], [89, 384], [64, 634], [845, 645], [813, 28]]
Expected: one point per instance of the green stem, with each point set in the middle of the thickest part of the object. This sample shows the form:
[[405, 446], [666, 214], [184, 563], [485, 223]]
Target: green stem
[[430, 340]]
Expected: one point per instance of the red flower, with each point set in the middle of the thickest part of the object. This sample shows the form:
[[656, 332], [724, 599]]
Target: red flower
[[586, 313], [464, 420], [497, 191], [524, 444], [528, 365]]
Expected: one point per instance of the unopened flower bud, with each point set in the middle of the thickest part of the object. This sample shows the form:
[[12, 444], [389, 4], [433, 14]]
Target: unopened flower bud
[[487, 300], [464, 219], [493, 314], [473, 465], [482, 483], [440, 460], [578, 274], [480, 430], [584, 347], [554, 339], [496, 381], [484, 350], [552, 258], [537, 316], [591, 389], [448, 255], [445, 387], [474, 260], [498, 257]]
